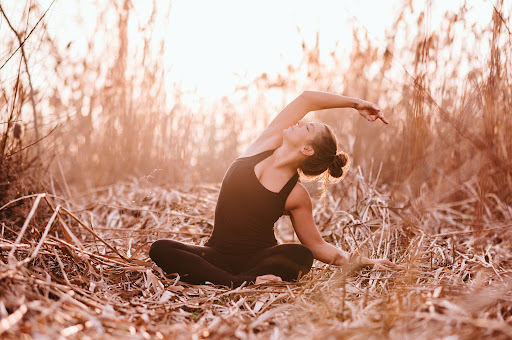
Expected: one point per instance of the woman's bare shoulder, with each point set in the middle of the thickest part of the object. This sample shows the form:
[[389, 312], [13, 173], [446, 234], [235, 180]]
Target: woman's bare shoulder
[[298, 198]]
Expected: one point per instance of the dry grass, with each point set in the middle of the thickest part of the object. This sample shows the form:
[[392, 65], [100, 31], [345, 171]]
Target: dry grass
[[83, 271]]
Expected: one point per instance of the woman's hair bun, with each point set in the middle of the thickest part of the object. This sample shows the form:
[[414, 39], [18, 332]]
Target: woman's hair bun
[[337, 166]]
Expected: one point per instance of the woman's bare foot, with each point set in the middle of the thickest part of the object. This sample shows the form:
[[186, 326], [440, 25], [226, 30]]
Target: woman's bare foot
[[267, 278]]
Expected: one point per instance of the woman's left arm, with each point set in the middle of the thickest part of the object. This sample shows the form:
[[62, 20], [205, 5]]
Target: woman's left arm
[[301, 213]]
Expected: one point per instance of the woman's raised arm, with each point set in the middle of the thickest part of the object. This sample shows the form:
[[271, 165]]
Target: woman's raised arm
[[307, 101], [315, 100]]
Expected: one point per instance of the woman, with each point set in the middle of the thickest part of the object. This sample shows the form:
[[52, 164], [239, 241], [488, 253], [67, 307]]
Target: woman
[[259, 187]]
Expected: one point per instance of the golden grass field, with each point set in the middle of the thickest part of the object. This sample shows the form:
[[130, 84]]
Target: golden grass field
[[111, 169], [86, 271]]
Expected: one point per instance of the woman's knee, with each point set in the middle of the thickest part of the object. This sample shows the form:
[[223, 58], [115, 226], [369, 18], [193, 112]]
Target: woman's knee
[[303, 258], [156, 249], [298, 252], [307, 255], [162, 247]]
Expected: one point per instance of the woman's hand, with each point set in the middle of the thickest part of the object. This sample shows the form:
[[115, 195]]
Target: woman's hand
[[381, 264], [369, 111]]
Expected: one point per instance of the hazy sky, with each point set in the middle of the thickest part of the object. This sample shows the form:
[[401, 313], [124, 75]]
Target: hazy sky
[[217, 44], [211, 46]]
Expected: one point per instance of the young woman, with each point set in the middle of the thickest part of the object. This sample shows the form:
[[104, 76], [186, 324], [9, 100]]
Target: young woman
[[260, 186]]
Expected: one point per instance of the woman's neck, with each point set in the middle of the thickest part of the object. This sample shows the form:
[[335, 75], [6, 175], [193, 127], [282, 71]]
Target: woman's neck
[[287, 158]]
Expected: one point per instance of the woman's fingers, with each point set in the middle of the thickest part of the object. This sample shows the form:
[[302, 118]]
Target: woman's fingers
[[394, 265], [372, 114], [391, 264], [381, 117], [386, 264], [378, 115]]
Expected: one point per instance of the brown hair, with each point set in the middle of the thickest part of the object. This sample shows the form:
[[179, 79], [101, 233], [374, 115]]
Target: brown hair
[[326, 161]]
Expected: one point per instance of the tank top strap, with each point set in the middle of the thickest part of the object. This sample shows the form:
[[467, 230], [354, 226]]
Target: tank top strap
[[262, 155], [255, 159], [285, 191]]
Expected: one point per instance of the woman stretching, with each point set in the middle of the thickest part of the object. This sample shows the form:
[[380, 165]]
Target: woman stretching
[[260, 186]]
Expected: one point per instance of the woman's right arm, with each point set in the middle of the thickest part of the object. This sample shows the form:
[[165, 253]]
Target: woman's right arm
[[300, 207]]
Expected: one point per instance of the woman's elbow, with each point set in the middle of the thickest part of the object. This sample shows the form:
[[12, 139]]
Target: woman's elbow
[[306, 95], [306, 98]]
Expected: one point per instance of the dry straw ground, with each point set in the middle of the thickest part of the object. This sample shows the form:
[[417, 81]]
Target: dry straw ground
[[85, 271]]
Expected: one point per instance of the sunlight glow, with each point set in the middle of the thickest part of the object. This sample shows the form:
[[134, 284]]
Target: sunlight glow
[[214, 46], [211, 47]]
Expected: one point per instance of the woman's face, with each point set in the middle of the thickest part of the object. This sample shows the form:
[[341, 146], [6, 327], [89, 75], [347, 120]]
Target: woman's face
[[302, 133]]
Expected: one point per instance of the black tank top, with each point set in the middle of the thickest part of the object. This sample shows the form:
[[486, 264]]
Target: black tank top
[[246, 211]]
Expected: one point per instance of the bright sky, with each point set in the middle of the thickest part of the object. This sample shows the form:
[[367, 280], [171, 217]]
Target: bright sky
[[212, 46]]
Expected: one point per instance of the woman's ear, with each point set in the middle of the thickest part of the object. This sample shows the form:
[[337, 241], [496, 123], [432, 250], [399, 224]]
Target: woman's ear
[[307, 150]]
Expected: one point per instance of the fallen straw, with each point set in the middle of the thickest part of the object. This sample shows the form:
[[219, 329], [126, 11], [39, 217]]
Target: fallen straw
[[24, 227], [70, 236], [12, 319], [45, 233], [96, 235], [74, 286]]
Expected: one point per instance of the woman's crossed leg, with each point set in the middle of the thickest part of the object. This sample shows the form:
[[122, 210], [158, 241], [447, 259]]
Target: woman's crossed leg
[[199, 264]]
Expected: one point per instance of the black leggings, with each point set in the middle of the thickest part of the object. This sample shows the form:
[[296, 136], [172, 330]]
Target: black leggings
[[198, 264]]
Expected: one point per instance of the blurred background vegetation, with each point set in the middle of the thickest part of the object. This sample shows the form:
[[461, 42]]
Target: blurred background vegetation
[[105, 116]]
